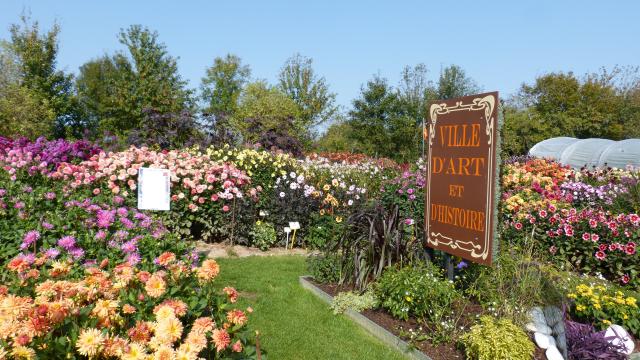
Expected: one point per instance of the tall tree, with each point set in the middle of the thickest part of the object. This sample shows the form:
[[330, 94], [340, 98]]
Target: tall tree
[[22, 111], [454, 82], [118, 89], [223, 84], [264, 107], [299, 81], [415, 89], [381, 124], [43, 87]]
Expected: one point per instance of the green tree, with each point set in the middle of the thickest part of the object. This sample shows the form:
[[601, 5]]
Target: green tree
[[381, 124], [415, 89], [48, 92], [22, 111], [454, 82], [299, 81], [117, 89], [604, 104], [223, 84], [263, 106]]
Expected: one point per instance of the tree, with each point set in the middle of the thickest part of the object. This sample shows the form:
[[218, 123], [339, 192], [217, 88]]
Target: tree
[[381, 124], [223, 84], [118, 89], [266, 107], [299, 81], [604, 105], [415, 90], [39, 88], [454, 82]]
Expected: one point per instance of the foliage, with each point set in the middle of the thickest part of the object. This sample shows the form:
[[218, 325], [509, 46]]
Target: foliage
[[275, 137], [602, 105], [604, 305], [497, 339], [263, 235], [39, 89], [269, 108], [381, 125], [146, 78], [323, 230], [584, 343], [374, 238], [420, 291], [167, 131], [299, 81], [454, 82], [514, 284], [222, 85], [325, 268], [348, 300]]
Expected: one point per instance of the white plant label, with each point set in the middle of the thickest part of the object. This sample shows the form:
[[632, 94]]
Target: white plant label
[[154, 189], [294, 225]]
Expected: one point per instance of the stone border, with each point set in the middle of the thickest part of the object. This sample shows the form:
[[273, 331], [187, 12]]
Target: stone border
[[376, 330]]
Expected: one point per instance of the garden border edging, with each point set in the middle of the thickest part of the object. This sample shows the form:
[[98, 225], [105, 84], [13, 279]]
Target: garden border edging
[[376, 330]]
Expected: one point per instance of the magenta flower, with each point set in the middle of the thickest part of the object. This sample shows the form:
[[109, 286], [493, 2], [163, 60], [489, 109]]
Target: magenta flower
[[52, 253], [29, 238], [77, 253], [105, 218], [67, 242], [129, 247], [133, 259]]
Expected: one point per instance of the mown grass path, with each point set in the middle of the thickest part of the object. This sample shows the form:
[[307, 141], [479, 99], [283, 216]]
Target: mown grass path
[[293, 323]]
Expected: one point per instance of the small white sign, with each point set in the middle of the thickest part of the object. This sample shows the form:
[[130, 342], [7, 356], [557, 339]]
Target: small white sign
[[294, 225], [154, 189], [287, 230]]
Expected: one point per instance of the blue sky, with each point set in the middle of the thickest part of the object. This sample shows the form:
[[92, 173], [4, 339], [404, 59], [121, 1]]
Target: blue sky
[[500, 44]]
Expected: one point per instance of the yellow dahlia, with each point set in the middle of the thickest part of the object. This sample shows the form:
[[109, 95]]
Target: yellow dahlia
[[209, 270], [23, 352], [155, 286], [89, 342]]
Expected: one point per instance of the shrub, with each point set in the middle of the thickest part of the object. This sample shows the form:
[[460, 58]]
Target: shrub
[[497, 339], [602, 306], [356, 302], [514, 284], [263, 235], [416, 291], [323, 230], [324, 268], [420, 291], [375, 238]]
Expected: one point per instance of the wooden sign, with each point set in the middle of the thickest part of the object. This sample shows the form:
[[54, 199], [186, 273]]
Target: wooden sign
[[461, 176]]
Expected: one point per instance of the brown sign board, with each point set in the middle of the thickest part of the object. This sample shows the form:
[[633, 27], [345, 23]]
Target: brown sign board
[[461, 136]]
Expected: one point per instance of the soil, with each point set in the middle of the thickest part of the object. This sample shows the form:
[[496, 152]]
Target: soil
[[222, 250], [446, 351]]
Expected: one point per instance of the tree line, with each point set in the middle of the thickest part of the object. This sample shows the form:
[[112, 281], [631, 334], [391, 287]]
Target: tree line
[[137, 96]]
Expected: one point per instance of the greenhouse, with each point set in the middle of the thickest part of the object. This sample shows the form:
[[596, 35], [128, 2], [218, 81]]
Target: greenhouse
[[589, 152]]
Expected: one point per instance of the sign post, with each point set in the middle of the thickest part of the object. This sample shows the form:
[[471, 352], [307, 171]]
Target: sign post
[[462, 171]]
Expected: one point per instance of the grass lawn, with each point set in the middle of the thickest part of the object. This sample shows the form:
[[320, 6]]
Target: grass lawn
[[293, 323]]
